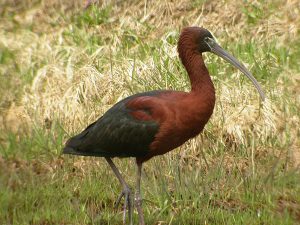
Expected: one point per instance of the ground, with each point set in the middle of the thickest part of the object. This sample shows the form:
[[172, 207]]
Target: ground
[[62, 66]]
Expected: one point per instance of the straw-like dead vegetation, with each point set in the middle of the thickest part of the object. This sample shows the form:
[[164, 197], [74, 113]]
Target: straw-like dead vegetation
[[61, 64], [68, 86]]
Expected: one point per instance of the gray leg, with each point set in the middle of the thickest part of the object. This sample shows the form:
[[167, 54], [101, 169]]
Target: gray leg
[[138, 199], [126, 192]]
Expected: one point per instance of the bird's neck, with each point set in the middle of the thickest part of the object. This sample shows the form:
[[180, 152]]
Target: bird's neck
[[200, 79]]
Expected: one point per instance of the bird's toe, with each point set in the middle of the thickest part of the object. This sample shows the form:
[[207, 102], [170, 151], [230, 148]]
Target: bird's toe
[[126, 193]]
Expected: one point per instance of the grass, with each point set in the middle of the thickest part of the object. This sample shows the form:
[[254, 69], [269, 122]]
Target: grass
[[61, 67]]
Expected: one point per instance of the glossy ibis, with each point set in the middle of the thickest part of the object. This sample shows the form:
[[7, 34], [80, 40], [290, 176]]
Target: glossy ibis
[[155, 122]]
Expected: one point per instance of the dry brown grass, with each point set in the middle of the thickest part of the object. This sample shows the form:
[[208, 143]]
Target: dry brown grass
[[68, 87]]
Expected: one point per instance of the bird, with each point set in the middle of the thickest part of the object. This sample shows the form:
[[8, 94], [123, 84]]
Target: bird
[[153, 123]]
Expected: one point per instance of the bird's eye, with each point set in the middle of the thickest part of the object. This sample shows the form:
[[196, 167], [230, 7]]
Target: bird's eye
[[206, 39]]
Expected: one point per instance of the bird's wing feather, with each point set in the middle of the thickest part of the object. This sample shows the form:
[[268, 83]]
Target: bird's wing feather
[[117, 133]]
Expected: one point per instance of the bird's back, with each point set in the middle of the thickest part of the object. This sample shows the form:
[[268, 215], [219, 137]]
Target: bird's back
[[116, 134]]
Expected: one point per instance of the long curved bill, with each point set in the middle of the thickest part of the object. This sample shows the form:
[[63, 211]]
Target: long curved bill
[[218, 50]]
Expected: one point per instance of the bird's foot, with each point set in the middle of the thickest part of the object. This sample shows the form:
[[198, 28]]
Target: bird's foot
[[126, 193], [138, 203]]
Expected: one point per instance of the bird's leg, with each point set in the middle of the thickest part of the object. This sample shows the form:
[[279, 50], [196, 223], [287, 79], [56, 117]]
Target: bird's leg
[[126, 192], [138, 199]]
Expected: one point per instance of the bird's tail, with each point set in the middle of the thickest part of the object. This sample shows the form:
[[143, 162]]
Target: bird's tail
[[74, 144], [73, 147], [69, 150]]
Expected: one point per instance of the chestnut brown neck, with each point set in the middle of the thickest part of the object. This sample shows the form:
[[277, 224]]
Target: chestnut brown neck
[[200, 79]]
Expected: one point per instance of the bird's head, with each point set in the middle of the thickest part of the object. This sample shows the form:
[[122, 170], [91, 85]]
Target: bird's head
[[199, 40]]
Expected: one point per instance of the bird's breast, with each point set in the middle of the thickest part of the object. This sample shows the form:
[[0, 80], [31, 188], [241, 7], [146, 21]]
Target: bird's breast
[[184, 119]]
